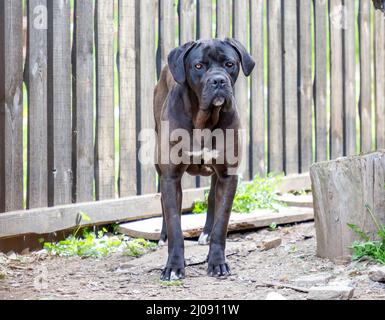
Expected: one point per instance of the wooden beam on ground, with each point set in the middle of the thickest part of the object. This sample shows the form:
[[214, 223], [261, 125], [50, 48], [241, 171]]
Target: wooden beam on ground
[[192, 224], [47, 220], [303, 201], [295, 182]]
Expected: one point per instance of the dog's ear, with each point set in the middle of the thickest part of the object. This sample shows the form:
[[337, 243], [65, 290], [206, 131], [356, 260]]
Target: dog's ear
[[176, 61], [247, 60]]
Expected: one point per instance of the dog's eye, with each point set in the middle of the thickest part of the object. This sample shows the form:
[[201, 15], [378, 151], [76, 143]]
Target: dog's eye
[[199, 66], [229, 64]]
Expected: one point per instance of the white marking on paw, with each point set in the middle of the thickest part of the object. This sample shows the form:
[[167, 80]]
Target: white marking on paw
[[204, 239]]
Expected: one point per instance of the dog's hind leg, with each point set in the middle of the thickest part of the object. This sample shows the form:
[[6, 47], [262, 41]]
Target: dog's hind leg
[[163, 233], [204, 238]]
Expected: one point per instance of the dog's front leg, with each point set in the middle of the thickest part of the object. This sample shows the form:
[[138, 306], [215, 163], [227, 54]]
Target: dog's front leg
[[224, 196], [172, 198]]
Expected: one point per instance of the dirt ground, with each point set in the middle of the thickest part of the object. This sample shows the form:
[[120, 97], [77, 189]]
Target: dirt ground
[[38, 276]]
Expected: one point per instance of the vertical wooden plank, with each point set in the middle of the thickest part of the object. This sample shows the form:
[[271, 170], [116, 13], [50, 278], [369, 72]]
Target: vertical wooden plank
[[365, 103], [305, 85], [166, 29], [187, 15], [127, 87], [205, 21], [224, 8], [105, 104], [350, 108], [146, 78], [11, 106], [59, 103], [257, 89], [379, 68], [204, 26], [240, 25], [290, 57], [36, 81], [83, 101], [336, 82], [275, 101], [320, 84]]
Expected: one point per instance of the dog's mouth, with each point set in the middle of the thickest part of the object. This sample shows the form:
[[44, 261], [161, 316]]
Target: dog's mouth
[[219, 101]]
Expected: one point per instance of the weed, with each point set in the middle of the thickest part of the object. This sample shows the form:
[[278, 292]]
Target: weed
[[367, 248], [176, 283], [138, 247], [97, 245], [258, 194]]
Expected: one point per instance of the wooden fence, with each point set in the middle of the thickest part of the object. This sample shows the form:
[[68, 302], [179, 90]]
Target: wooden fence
[[89, 68]]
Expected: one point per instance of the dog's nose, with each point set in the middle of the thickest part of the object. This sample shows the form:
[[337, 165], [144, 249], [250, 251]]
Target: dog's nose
[[217, 81]]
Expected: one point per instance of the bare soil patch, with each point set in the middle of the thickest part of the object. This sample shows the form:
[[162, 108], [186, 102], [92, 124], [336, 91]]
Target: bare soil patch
[[255, 273]]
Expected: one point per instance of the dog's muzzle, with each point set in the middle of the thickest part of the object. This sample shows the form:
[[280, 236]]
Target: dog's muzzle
[[217, 91]]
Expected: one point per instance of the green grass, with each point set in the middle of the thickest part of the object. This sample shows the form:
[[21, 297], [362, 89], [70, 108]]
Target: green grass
[[177, 283], [98, 245], [367, 248], [258, 194]]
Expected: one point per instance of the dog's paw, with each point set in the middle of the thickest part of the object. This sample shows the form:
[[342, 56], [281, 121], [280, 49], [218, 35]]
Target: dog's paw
[[169, 274], [162, 242], [204, 239], [218, 270]]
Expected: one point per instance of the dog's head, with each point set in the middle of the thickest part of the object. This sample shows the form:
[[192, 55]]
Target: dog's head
[[379, 4], [210, 69]]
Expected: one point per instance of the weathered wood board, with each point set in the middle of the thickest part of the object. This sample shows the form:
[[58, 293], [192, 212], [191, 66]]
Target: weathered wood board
[[192, 224], [294, 182], [305, 201], [343, 190], [11, 110], [47, 220]]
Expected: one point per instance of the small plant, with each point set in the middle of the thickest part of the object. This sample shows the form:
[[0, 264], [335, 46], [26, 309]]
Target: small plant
[[258, 194], [138, 247], [273, 226], [97, 244], [366, 248], [176, 283]]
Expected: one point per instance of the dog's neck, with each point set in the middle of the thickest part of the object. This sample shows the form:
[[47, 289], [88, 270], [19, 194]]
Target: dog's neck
[[201, 119]]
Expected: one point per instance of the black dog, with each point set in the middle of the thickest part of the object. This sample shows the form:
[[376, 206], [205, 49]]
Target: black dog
[[195, 91], [379, 4]]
